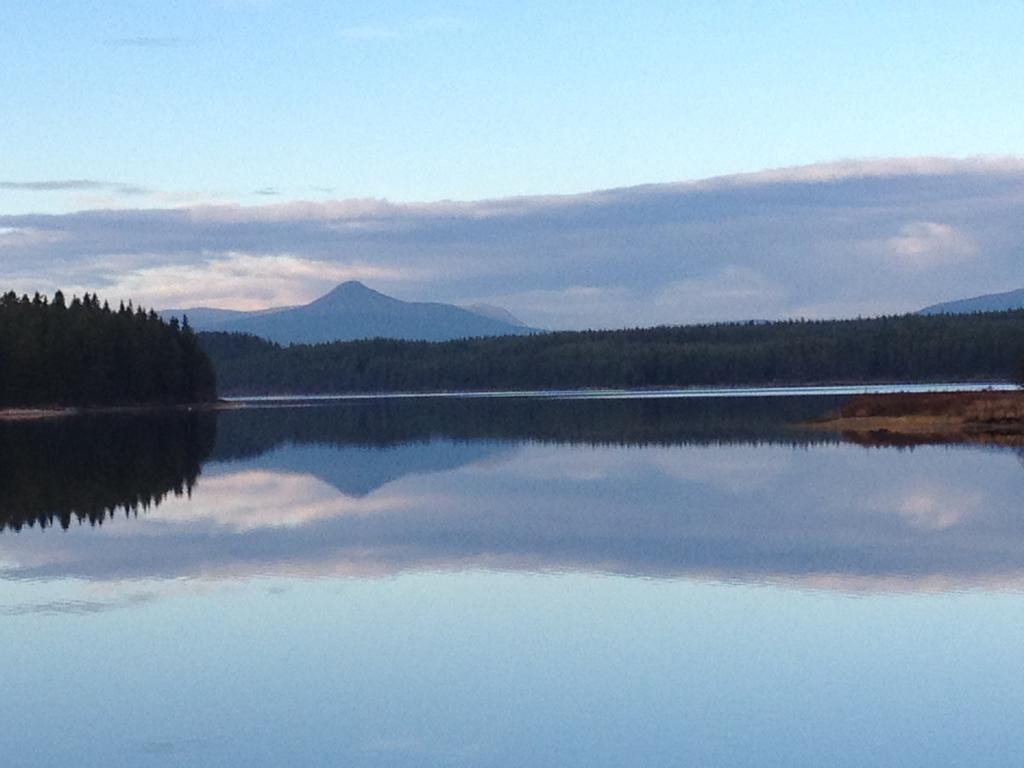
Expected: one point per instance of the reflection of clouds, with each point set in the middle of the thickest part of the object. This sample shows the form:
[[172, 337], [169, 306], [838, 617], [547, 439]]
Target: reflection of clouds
[[932, 508], [547, 463], [78, 607], [251, 499], [730, 468], [825, 516], [930, 503], [737, 468]]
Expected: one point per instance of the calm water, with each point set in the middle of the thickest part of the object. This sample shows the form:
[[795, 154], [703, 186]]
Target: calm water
[[506, 582]]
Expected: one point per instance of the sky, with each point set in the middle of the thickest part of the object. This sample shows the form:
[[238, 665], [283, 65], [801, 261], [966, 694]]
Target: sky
[[247, 153]]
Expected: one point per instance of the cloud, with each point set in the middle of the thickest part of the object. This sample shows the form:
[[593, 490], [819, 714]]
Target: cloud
[[734, 293], [562, 308], [267, 191], [16, 238], [245, 281], [830, 240], [74, 185], [924, 244], [844, 170]]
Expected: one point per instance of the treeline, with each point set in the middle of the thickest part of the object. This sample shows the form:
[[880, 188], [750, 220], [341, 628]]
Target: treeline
[[908, 348], [54, 352]]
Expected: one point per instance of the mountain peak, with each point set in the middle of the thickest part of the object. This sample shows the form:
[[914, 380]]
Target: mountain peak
[[352, 294], [352, 310], [349, 287]]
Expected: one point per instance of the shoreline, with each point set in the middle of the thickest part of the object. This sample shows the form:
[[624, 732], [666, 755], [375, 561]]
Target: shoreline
[[62, 412], [754, 390]]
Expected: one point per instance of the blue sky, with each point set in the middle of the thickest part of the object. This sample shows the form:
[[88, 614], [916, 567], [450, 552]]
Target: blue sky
[[433, 100], [264, 102]]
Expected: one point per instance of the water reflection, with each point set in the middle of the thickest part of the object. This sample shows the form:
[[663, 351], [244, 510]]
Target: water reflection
[[379, 423], [87, 468], [674, 488]]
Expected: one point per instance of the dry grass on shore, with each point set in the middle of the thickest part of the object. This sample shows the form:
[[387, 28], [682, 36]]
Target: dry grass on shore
[[940, 415], [966, 406]]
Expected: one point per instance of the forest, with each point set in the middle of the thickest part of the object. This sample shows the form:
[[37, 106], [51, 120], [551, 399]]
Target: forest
[[78, 353], [907, 348]]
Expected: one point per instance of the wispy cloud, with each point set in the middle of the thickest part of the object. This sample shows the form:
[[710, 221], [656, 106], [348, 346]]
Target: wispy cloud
[[77, 607], [74, 185], [267, 191]]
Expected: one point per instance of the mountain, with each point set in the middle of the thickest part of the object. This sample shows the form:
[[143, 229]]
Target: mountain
[[990, 302], [353, 311], [495, 313]]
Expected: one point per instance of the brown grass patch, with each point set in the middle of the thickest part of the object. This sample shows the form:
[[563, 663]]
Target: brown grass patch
[[933, 417]]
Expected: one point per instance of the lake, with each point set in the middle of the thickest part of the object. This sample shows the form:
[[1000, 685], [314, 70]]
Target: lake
[[545, 581]]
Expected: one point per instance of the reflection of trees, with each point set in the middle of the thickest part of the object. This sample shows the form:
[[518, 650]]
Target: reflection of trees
[[705, 421], [85, 468]]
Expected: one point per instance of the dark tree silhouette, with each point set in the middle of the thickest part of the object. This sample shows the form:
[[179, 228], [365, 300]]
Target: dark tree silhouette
[[910, 348], [84, 353], [87, 468]]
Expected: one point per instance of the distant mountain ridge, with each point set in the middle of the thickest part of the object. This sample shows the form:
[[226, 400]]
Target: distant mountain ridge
[[989, 302], [353, 311], [495, 313]]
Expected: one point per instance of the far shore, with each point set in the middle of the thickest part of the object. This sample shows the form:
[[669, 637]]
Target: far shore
[[876, 417], [60, 412]]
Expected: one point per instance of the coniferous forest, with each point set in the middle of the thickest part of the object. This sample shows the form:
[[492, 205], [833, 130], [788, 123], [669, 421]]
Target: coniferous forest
[[82, 352], [909, 348], [60, 353]]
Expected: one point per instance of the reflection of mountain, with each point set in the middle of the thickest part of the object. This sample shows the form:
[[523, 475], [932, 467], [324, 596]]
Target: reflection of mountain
[[358, 446], [662, 488], [358, 471], [85, 468]]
